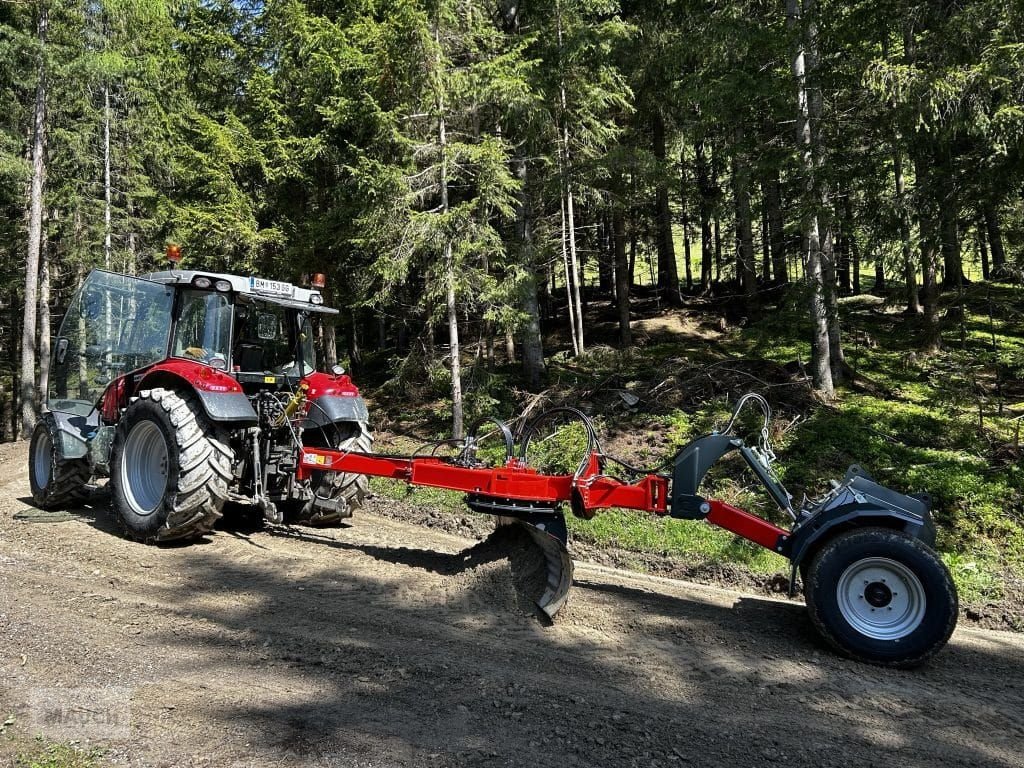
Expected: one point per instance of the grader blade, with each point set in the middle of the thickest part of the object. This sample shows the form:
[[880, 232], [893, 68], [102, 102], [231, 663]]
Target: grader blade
[[548, 534]]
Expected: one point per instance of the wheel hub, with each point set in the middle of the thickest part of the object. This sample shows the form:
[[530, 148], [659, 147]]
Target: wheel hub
[[881, 598], [144, 468], [878, 594], [41, 459]]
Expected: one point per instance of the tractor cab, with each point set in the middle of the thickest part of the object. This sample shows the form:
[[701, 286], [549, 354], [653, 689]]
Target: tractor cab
[[259, 331]]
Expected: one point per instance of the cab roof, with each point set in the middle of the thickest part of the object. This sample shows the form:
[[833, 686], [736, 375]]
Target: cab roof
[[256, 288]]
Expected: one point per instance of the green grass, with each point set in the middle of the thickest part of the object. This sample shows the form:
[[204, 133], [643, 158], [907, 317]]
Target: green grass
[[687, 540], [56, 755]]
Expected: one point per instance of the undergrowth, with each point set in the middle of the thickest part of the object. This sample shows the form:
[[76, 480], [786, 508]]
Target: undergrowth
[[945, 424]]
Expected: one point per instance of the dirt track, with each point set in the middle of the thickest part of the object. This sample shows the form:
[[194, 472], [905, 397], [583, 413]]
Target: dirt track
[[379, 644]]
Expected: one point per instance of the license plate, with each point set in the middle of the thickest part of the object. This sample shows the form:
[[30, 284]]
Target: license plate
[[276, 287]]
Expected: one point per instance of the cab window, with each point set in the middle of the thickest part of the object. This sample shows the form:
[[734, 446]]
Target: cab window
[[203, 330]]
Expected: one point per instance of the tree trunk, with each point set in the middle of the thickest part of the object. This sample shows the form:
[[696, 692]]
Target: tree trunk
[[821, 364], [979, 228], [747, 276], [44, 323], [879, 288], [668, 272], [818, 264], [909, 266], [106, 178], [569, 218], [929, 225], [621, 276], [448, 257], [777, 227], [577, 347], [632, 254], [855, 256], [932, 339], [843, 253], [952, 258], [453, 344], [706, 194], [532, 341], [766, 251], [15, 413], [330, 345], [35, 235], [605, 255], [836, 357], [510, 347], [573, 257], [718, 249], [995, 240], [685, 216]]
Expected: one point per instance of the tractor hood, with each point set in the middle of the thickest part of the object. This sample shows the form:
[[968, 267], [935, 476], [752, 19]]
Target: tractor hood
[[257, 288]]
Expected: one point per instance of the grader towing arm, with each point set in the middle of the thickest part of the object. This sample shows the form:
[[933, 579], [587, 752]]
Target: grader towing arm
[[874, 587]]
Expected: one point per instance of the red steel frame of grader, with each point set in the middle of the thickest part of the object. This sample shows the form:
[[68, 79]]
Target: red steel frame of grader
[[875, 589]]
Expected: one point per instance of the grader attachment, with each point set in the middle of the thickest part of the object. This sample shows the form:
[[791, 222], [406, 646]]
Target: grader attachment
[[874, 587]]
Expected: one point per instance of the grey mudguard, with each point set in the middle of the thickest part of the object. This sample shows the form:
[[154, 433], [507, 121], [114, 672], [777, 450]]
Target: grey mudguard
[[75, 432], [232, 407], [331, 409], [860, 501]]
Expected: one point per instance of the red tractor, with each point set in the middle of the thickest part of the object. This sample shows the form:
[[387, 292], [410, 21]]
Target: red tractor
[[190, 388]]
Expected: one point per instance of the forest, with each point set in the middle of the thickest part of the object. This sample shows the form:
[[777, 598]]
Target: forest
[[503, 194]]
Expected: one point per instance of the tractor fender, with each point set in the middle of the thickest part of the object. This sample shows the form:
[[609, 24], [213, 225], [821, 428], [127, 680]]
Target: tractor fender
[[227, 407], [74, 430], [231, 406], [330, 409]]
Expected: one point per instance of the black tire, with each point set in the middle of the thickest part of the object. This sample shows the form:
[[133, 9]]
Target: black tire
[[55, 482], [881, 596], [347, 489], [182, 496]]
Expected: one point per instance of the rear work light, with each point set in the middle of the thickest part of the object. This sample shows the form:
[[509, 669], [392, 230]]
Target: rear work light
[[223, 285], [316, 298], [202, 282]]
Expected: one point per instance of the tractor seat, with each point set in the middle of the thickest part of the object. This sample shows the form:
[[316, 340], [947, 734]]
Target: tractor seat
[[249, 357]]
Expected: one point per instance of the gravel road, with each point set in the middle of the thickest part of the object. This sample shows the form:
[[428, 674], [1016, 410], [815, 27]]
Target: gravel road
[[384, 643]]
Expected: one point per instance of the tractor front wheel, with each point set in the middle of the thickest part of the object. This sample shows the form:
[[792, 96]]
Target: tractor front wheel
[[881, 596], [170, 468], [55, 482]]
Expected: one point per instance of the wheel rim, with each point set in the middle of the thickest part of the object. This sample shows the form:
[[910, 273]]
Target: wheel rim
[[144, 468], [42, 457], [881, 598]]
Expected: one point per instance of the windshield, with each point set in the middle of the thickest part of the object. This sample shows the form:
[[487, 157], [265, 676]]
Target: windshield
[[265, 340], [203, 330], [115, 324]]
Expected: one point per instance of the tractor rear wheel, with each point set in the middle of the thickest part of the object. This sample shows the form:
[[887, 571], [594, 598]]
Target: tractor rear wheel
[[55, 482], [336, 494], [881, 596], [170, 468]]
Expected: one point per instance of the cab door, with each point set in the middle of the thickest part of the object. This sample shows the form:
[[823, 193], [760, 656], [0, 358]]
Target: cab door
[[114, 325]]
